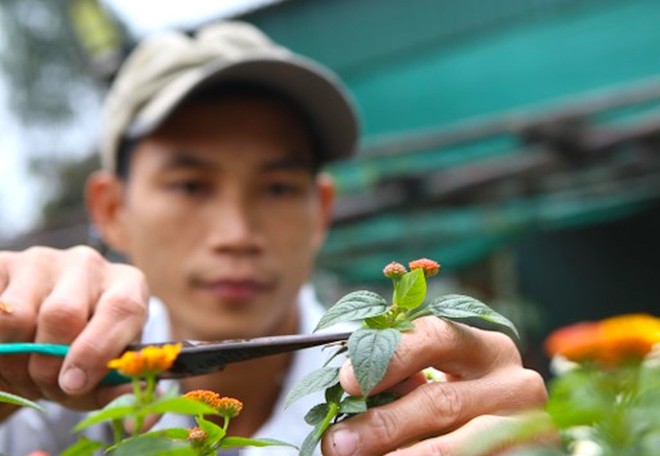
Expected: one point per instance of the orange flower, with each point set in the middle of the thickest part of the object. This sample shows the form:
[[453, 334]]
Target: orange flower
[[609, 341], [150, 360], [226, 406], [394, 270], [210, 398], [430, 267], [229, 407]]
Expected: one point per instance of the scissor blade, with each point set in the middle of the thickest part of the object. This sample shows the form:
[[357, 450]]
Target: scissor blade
[[198, 358]]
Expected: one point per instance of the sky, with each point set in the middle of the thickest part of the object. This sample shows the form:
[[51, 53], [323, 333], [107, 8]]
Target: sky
[[21, 195]]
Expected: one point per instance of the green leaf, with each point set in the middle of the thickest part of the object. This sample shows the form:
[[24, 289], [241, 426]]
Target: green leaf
[[340, 351], [171, 433], [410, 290], [151, 445], [357, 305], [370, 351], [316, 414], [334, 394], [232, 442], [472, 312], [312, 440], [215, 432], [121, 407], [315, 381], [180, 405], [404, 325], [353, 404], [381, 399], [83, 447], [18, 400]]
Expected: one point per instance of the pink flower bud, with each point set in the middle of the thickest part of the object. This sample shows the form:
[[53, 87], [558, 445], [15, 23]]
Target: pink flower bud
[[394, 270]]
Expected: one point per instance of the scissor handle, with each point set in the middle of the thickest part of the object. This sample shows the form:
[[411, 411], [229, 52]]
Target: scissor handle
[[58, 350]]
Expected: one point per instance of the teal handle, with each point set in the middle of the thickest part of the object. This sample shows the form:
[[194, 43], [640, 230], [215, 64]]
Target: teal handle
[[60, 351]]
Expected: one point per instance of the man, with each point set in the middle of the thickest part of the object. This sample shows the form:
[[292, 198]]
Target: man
[[211, 188]]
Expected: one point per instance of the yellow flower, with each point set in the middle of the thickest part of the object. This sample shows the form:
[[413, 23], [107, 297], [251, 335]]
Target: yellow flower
[[150, 360], [608, 342]]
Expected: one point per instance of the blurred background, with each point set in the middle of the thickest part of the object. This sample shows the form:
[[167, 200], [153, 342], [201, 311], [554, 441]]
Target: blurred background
[[517, 142]]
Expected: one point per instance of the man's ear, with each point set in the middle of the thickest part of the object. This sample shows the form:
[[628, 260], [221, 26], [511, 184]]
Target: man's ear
[[104, 199], [326, 190]]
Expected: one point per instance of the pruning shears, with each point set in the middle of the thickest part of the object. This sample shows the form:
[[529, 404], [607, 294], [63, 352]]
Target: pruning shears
[[196, 357]]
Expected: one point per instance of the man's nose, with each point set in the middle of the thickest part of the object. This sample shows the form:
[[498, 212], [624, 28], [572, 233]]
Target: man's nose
[[234, 227]]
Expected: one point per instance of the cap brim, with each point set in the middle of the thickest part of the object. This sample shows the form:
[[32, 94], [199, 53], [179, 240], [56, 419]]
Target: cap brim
[[316, 92]]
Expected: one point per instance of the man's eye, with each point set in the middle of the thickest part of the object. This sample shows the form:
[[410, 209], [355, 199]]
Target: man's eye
[[282, 189], [189, 187]]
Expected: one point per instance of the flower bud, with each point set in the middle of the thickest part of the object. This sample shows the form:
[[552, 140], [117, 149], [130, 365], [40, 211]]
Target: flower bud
[[430, 267], [394, 270]]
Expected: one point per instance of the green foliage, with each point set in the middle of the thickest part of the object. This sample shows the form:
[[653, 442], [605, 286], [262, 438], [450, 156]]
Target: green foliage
[[372, 346], [314, 381], [370, 351], [233, 442], [357, 305], [472, 312], [83, 447], [410, 290], [20, 401]]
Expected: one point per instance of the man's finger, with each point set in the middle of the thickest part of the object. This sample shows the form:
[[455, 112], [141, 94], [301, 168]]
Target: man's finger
[[454, 348], [63, 315], [22, 295], [438, 408], [116, 321], [485, 435]]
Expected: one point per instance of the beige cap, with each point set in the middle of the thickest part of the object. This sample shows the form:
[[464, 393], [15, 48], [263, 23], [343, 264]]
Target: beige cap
[[167, 68]]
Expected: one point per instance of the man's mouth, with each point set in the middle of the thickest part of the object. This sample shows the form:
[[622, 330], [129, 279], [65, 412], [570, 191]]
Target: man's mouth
[[235, 290]]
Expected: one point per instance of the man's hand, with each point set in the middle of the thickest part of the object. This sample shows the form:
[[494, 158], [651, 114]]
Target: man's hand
[[70, 297], [485, 383]]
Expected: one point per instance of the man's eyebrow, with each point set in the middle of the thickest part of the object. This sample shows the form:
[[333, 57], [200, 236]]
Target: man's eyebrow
[[183, 159], [290, 162]]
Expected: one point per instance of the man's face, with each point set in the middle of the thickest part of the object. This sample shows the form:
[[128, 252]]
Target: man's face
[[223, 215]]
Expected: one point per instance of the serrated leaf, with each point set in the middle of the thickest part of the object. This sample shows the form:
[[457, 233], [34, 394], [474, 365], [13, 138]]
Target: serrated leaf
[[370, 351], [381, 399], [404, 325], [353, 404], [21, 401], [472, 312], [83, 447], [379, 321], [233, 442], [410, 290], [318, 380], [180, 405], [334, 393], [120, 407], [357, 305], [316, 414], [311, 441], [342, 349]]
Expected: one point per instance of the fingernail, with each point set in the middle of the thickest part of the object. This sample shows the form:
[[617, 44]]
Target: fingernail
[[344, 442], [73, 379]]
